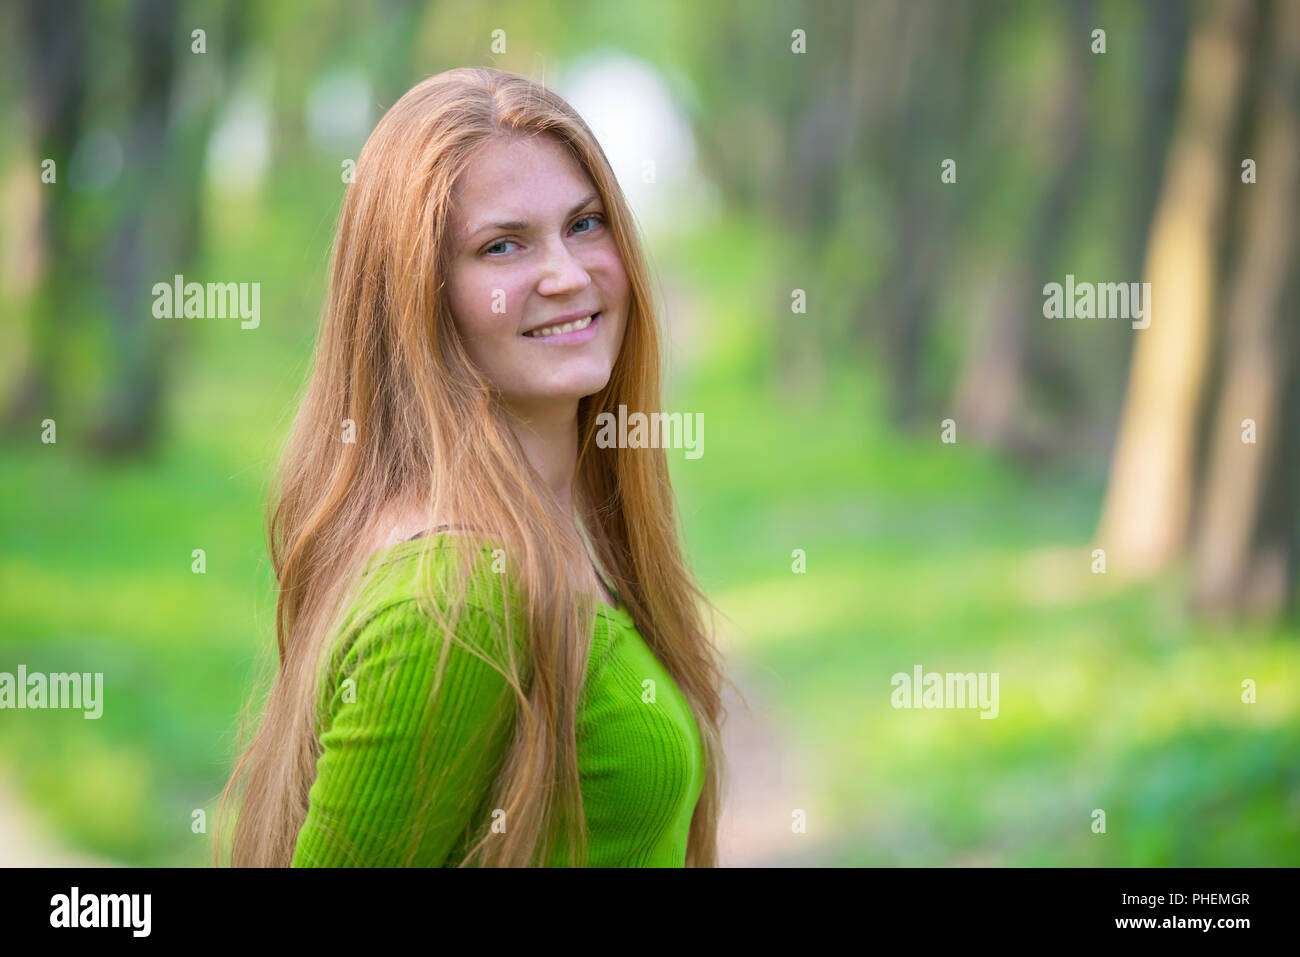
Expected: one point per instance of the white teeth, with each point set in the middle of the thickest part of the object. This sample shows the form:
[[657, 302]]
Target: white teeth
[[557, 330]]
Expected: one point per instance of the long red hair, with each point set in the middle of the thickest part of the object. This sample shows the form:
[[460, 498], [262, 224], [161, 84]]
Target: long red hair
[[429, 429]]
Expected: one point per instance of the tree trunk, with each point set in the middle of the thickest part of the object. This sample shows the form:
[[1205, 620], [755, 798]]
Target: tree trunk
[[1242, 560], [1145, 517], [992, 380], [157, 231], [935, 47], [129, 416], [57, 48]]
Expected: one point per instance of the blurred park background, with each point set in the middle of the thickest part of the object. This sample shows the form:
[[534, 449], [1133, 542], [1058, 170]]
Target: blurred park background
[[834, 290]]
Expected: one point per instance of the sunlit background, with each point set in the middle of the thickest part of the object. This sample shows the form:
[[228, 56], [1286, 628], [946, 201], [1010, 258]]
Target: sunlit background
[[1099, 530]]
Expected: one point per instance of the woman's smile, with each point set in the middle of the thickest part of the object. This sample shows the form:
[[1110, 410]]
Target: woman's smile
[[568, 333]]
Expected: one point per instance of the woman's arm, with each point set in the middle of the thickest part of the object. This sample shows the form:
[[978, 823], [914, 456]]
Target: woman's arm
[[402, 771]]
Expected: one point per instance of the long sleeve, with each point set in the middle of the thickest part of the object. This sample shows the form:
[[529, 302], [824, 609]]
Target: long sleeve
[[403, 771]]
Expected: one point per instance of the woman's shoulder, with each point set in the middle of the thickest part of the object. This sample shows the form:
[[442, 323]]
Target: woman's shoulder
[[457, 573], [446, 568], [390, 620]]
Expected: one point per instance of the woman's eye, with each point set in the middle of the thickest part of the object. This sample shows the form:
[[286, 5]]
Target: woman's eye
[[595, 218]]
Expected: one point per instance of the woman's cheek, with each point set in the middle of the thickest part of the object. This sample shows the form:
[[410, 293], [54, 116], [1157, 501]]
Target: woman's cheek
[[617, 273], [483, 306]]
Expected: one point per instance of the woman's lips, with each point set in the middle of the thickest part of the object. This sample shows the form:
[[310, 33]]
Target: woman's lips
[[572, 337]]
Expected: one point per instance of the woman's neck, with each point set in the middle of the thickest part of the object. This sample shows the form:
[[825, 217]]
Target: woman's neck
[[549, 438]]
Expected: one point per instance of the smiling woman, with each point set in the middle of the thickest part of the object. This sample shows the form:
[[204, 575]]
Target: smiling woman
[[490, 648], [532, 267]]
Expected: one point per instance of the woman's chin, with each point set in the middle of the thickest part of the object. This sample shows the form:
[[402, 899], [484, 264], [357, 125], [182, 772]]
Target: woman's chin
[[562, 394], [575, 386]]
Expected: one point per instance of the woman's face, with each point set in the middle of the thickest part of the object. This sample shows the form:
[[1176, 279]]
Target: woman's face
[[533, 250]]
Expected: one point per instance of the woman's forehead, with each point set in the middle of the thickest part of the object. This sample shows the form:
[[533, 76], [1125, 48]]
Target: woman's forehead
[[518, 184], [515, 166]]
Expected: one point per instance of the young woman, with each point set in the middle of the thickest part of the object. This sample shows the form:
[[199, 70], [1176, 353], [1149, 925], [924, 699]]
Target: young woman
[[457, 684]]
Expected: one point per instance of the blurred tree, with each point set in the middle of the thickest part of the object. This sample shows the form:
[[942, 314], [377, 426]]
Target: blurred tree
[[1164, 44], [56, 67], [157, 230], [933, 50], [1145, 516], [155, 205], [990, 390], [130, 413], [776, 123], [1245, 549]]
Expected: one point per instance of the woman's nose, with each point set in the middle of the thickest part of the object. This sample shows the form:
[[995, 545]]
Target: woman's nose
[[563, 274]]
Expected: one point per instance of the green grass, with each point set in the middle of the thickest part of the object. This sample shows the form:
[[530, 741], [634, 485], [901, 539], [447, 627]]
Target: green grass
[[1111, 698]]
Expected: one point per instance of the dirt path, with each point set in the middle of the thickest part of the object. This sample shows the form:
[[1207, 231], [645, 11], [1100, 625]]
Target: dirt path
[[25, 843], [768, 779]]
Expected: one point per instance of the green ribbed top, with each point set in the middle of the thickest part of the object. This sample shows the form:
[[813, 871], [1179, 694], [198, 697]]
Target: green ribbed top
[[404, 774]]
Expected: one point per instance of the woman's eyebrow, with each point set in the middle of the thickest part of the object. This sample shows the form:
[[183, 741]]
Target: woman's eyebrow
[[519, 225]]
